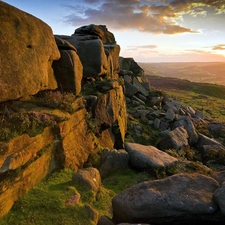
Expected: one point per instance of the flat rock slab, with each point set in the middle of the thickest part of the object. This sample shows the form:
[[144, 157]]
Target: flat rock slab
[[181, 197], [145, 157]]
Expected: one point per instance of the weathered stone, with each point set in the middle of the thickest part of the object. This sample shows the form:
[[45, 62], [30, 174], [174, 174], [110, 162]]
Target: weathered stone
[[189, 127], [190, 110], [124, 73], [164, 125], [98, 30], [175, 140], [63, 44], [204, 140], [77, 141], [130, 89], [110, 108], [138, 130], [137, 100], [113, 160], [91, 53], [139, 87], [179, 198], [219, 176], [174, 105], [219, 196], [89, 177], [112, 53], [19, 150], [27, 51], [157, 122], [170, 115], [216, 129], [146, 157], [14, 187], [130, 64], [68, 72], [127, 78]]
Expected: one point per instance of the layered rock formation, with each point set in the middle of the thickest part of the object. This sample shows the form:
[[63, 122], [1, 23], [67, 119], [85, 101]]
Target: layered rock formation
[[54, 129]]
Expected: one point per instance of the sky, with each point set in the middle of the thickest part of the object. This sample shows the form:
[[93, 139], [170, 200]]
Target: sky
[[146, 30]]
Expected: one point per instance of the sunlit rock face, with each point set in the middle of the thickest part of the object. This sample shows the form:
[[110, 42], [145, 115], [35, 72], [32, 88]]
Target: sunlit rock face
[[27, 51]]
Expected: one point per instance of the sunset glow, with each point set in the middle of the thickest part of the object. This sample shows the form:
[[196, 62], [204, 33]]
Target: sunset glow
[[147, 30]]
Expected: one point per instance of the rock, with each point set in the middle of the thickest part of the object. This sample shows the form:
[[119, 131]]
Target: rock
[[219, 176], [140, 87], [127, 78], [97, 30], [170, 115], [134, 98], [63, 44], [130, 89], [172, 105], [27, 51], [157, 122], [204, 140], [130, 64], [216, 129], [175, 140], [73, 200], [110, 108], [68, 72], [91, 53], [90, 177], [124, 73], [219, 197], [213, 152], [189, 127], [138, 130], [146, 157], [113, 160], [142, 97], [180, 198], [190, 110], [104, 220], [164, 125], [112, 52]]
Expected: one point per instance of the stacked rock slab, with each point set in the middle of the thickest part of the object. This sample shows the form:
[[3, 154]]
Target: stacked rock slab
[[68, 69], [27, 51]]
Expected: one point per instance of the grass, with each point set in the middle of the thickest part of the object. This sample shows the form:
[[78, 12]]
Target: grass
[[45, 203]]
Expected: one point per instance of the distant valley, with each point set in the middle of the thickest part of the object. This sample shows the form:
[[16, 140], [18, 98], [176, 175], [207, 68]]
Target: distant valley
[[203, 72]]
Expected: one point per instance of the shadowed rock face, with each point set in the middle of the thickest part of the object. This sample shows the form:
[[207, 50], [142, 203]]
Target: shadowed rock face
[[27, 51]]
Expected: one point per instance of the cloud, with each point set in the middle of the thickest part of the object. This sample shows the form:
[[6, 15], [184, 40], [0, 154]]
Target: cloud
[[158, 17], [144, 46], [219, 47]]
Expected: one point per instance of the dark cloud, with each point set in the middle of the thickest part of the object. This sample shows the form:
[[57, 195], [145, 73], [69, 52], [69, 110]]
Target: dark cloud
[[219, 47], [159, 17]]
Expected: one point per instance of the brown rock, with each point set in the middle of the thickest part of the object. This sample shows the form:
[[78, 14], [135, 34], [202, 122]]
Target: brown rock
[[27, 51]]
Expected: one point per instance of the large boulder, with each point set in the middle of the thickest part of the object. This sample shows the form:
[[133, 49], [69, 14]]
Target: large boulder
[[148, 157], [97, 30], [91, 53], [27, 51], [179, 198], [68, 69]]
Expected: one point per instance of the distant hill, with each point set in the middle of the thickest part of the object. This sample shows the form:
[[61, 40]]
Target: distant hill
[[203, 72]]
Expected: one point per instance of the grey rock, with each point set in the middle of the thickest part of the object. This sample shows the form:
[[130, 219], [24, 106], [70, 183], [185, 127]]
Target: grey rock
[[157, 122], [140, 88], [146, 157], [127, 78], [179, 198], [112, 160], [170, 114], [204, 140], [189, 127], [130, 89], [176, 139], [138, 100], [219, 197], [104, 220]]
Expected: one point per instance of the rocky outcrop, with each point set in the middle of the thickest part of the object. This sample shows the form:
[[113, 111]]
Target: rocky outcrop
[[68, 69], [27, 51], [186, 198]]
